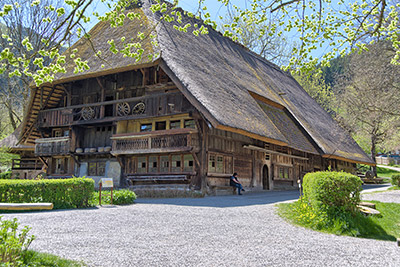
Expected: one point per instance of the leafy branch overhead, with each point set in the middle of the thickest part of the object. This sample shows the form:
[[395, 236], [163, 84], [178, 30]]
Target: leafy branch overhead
[[338, 27]]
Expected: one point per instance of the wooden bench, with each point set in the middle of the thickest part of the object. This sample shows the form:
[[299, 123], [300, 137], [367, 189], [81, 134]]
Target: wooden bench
[[26, 206], [156, 178]]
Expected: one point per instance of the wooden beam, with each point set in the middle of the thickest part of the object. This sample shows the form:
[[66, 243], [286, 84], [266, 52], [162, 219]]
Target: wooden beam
[[251, 147], [48, 98]]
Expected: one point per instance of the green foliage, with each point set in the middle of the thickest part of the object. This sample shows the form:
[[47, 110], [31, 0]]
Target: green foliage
[[13, 243], [34, 258], [395, 179], [316, 87], [332, 192], [63, 193], [5, 175], [385, 227], [120, 197], [124, 196], [6, 158]]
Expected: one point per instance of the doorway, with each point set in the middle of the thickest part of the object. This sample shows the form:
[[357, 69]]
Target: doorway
[[265, 178]]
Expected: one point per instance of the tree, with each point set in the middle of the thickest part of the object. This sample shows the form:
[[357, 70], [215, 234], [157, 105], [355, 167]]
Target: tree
[[314, 84], [342, 26], [23, 23], [369, 95]]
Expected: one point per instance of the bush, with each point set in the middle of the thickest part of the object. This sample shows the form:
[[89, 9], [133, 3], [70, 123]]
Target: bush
[[13, 244], [395, 179], [5, 175], [63, 193], [125, 196], [332, 191]]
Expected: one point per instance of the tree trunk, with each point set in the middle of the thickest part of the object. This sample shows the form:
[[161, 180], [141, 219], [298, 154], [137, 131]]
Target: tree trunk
[[11, 115], [373, 154]]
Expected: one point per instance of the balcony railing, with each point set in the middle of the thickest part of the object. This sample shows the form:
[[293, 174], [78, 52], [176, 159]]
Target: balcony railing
[[53, 146], [136, 107], [27, 164], [155, 142]]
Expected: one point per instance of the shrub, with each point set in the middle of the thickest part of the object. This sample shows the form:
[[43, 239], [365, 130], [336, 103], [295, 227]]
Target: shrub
[[5, 175], [13, 244], [124, 196], [395, 179], [332, 191], [63, 193]]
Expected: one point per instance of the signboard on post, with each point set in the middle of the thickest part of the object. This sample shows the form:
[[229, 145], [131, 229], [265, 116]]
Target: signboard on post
[[106, 183]]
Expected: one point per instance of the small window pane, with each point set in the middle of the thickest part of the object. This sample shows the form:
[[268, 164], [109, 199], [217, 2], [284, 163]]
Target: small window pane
[[190, 124], [161, 125], [220, 164], [92, 168], [176, 163], [146, 127], [175, 124], [153, 164], [142, 165], [286, 173], [101, 168], [164, 164], [188, 163], [211, 163]]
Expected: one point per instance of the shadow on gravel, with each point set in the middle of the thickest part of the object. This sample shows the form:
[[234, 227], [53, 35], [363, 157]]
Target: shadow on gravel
[[247, 199], [375, 186]]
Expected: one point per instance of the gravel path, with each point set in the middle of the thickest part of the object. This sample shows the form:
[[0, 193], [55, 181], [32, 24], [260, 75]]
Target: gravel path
[[214, 231], [386, 196]]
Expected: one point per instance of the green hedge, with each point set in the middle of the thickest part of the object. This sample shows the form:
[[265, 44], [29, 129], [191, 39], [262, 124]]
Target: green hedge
[[124, 196], [332, 191], [63, 193], [5, 175], [396, 179]]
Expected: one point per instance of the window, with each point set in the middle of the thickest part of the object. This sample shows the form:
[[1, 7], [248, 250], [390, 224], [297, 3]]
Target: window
[[142, 165], [211, 163], [164, 164], [188, 163], [284, 172], [60, 166], [97, 168], [220, 164], [147, 127], [161, 125], [190, 124], [175, 124], [176, 163], [57, 133], [153, 166]]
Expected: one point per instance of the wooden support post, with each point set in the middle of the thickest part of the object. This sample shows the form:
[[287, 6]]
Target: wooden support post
[[254, 168], [102, 98]]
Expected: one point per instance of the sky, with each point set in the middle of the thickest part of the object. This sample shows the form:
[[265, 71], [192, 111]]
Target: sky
[[215, 8]]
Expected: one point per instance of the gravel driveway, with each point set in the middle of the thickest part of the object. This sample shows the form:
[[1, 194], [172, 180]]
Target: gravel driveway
[[214, 231]]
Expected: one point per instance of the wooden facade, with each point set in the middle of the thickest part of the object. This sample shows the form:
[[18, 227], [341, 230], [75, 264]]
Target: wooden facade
[[140, 128]]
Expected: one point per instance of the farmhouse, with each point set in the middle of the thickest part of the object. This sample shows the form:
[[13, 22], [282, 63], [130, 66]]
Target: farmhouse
[[191, 111]]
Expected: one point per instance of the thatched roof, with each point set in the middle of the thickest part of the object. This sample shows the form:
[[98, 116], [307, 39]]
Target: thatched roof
[[11, 141], [221, 79]]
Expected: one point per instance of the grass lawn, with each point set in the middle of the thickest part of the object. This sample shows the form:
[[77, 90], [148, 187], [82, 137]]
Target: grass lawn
[[385, 173], [386, 227], [34, 258]]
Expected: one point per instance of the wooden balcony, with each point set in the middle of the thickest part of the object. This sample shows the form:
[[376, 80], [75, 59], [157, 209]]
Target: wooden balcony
[[123, 109], [26, 164], [53, 146], [165, 141]]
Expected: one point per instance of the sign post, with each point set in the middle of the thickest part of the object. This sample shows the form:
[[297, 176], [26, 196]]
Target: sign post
[[106, 183]]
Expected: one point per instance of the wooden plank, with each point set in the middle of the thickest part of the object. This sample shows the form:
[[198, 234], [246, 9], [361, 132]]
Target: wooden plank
[[26, 206]]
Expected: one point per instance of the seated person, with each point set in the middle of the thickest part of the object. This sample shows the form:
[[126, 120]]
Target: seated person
[[235, 183]]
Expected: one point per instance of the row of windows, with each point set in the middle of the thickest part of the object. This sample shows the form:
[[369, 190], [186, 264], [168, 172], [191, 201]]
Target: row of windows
[[219, 163], [97, 168], [284, 172], [162, 125], [160, 164]]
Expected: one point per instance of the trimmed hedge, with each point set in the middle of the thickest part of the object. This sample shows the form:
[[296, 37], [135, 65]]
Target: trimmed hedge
[[123, 197], [63, 193], [5, 175], [332, 191], [395, 179]]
